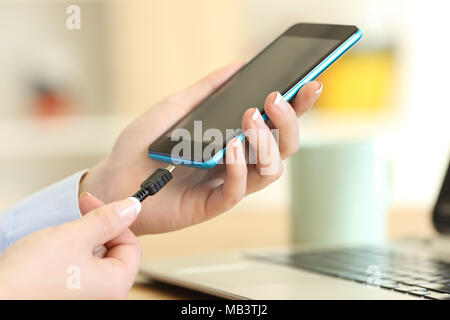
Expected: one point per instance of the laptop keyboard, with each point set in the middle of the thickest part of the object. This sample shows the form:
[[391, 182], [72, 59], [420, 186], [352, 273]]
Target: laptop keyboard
[[393, 269]]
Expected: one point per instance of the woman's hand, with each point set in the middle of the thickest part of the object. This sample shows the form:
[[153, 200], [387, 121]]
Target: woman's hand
[[96, 257], [196, 195]]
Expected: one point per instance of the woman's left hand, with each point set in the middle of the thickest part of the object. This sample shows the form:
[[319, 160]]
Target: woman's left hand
[[197, 195]]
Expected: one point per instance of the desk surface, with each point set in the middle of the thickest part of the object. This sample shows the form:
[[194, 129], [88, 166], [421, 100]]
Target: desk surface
[[230, 232]]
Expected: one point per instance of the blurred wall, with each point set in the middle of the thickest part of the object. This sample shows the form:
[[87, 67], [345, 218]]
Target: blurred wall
[[39, 52], [164, 46]]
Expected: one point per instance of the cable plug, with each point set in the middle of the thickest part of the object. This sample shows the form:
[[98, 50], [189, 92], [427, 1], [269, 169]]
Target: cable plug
[[155, 182]]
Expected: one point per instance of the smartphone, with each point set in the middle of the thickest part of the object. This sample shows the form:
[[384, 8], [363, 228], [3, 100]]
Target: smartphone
[[296, 57]]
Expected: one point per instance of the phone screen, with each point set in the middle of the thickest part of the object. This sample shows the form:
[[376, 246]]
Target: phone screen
[[277, 68]]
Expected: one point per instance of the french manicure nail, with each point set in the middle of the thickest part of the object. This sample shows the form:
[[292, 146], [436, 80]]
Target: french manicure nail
[[319, 91], [278, 102], [127, 208], [277, 99], [255, 114], [236, 142]]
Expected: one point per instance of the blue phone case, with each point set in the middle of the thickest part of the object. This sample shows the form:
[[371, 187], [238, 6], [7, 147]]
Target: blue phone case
[[288, 96]]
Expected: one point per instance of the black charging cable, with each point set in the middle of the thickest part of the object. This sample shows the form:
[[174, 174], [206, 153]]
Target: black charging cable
[[155, 182]]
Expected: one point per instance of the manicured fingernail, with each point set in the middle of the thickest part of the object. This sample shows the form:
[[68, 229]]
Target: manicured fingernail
[[86, 194], [319, 91], [277, 99], [99, 251], [236, 142], [256, 114], [137, 204], [127, 208], [279, 102]]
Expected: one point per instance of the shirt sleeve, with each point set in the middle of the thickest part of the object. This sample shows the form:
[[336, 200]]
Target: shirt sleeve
[[54, 205]]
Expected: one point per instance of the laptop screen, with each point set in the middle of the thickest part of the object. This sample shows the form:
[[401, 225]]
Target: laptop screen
[[441, 213]]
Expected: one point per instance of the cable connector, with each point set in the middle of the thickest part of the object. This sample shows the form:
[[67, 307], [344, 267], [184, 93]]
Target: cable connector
[[155, 182]]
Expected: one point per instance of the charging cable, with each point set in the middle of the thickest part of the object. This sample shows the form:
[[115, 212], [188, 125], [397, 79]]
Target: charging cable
[[155, 182]]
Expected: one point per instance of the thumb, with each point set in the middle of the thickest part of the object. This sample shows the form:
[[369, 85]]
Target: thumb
[[106, 222]]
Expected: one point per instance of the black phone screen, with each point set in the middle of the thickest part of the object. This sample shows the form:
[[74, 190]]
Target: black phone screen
[[277, 68]]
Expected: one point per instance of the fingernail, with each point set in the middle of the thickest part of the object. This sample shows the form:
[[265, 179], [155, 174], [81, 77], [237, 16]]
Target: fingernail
[[319, 91], [277, 99], [127, 208], [279, 103], [236, 142], [86, 194], [99, 251], [255, 114]]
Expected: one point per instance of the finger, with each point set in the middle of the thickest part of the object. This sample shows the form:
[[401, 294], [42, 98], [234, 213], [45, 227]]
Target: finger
[[306, 97], [87, 202], [234, 187], [105, 223], [221, 194], [126, 249], [283, 117], [122, 262], [264, 152], [190, 97], [126, 237]]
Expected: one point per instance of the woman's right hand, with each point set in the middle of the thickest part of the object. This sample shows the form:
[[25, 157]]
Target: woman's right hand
[[95, 257]]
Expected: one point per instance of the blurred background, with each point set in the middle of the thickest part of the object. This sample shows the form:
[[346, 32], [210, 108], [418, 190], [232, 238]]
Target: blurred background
[[66, 94]]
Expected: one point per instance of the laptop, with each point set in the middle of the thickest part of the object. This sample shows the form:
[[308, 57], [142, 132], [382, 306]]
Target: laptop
[[409, 269]]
